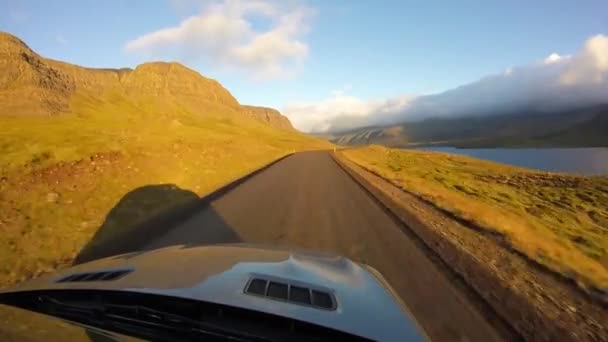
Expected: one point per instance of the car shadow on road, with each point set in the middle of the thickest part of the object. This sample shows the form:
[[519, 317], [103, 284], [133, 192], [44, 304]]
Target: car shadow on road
[[144, 218]]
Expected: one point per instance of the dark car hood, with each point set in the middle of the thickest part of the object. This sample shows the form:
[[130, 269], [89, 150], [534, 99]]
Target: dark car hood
[[219, 274], [22, 325]]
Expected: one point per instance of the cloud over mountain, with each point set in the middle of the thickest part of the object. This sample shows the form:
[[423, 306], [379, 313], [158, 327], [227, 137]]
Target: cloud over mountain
[[559, 82]]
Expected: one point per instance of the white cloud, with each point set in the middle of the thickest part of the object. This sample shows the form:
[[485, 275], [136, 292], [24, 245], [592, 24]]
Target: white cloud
[[559, 82], [590, 65], [554, 58], [341, 112], [225, 33]]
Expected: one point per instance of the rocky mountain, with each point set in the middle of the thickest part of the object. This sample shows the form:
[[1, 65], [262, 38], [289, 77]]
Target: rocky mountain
[[268, 115], [31, 85], [573, 128]]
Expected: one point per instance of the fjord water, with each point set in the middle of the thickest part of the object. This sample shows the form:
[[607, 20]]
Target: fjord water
[[585, 161]]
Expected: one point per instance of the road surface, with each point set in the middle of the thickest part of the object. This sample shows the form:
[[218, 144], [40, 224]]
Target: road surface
[[308, 201]]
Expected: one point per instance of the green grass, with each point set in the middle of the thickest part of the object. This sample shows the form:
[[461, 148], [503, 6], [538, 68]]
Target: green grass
[[558, 220], [107, 147]]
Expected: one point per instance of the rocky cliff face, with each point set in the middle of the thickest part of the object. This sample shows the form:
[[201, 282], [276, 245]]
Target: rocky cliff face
[[29, 85], [174, 79], [33, 85], [268, 115]]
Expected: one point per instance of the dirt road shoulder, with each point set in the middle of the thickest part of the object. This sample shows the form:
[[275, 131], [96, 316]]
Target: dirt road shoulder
[[535, 303]]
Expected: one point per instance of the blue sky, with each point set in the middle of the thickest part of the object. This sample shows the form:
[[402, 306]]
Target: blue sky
[[361, 51]]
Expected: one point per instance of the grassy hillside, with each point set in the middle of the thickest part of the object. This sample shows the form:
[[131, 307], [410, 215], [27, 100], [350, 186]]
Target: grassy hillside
[[74, 141], [581, 127], [559, 220]]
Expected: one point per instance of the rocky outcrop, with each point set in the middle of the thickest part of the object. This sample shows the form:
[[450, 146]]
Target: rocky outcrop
[[176, 80], [268, 115], [28, 84]]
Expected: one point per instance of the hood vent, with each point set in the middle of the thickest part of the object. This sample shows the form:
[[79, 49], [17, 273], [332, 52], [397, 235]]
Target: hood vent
[[94, 276], [296, 294]]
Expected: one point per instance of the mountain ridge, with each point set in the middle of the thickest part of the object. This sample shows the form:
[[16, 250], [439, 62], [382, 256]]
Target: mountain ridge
[[33, 85], [269, 115], [582, 127]]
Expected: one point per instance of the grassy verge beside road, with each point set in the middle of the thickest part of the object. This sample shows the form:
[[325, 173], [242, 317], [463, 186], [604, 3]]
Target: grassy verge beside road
[[60, 176], [557, 220]]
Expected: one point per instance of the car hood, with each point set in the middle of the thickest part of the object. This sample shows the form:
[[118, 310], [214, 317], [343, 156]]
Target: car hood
[[366, 305], [21, 325]]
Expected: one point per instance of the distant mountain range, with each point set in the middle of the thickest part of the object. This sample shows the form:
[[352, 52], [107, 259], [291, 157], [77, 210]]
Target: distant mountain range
[[573, 128], [31, 85]]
